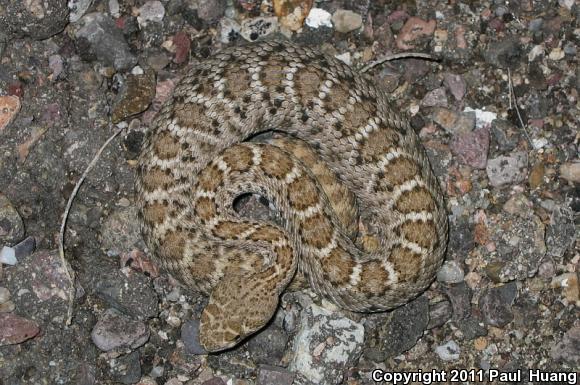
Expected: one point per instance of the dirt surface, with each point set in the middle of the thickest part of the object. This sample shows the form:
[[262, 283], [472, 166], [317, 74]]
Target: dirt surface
[[497, 111]]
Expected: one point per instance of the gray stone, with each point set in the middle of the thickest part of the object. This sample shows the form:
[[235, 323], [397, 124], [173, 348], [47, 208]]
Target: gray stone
[[127, 369], [460, 297], [505, 170], [256, 28], [211, 10], [267, 346], [190, 337], [120, 232], [106, 42], [11, 225], [496, 304], [114, 331], [274, 375], [345, 21], [505, 53], [439, 313], [568, 349], [152, 11], [396, 332], [561, 232], [450, 272], [4, 295], [325, 345], [449, 351], [435, 98], [455, 84], [78, 8], [37, 19], [131, 294], [472, 328]]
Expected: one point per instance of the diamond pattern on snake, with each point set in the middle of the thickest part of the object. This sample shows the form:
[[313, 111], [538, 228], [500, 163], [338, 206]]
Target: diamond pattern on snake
[[346, 149]]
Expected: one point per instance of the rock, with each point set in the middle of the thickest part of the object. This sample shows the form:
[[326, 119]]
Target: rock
[[37, 19], [9, 107], [318, 17], [151, 11], [78, 8], [561, 232], [120, 232], [214, 381], [496, 304], [453, 122], [569, 284], [568, 349], [24, 248], [56, 65], [273, 375], [450, 272], [439, 313], [449, 351], [414, 29], [472, 328], [135, 96], [190, 337], [115, 331], [211, 10], [127, 368], [104, 42], [435, 98], [268, 346], [325, 345], [11, 225], [507, 169], [4, 295], [398, 331], [505, 53], [132, 294], [229, 30], [256, 28], [455, 84], [7, 307], [15, 329], [569, 171], [182, 45], [346, 21], [8, 256], [460, 297], [471, 147]]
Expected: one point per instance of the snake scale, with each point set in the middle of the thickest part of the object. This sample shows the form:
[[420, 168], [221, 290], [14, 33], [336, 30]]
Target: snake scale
[[347, 149]]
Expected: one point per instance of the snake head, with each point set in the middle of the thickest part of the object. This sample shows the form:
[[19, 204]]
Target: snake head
[[236, 310]]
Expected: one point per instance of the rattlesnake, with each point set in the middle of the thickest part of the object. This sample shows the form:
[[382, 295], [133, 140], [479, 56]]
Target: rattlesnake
[[194, 164]]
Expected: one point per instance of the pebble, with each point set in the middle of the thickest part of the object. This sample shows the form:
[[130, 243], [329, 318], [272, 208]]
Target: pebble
[[214, 381], [56, 65], [504, 53], [182, 45], [439, 313], [151, 11], [472, 328], [114, 330], [389, 337], [324, 345], [570, 171], [9, 107], [450, 272], [471, 148], [254, 29], [274, 375], [4, 295], [127, 368], [557, 54], [8, 256], [37, 19], [496, 304], [568, 282], [561, 232], [449, 351], [15, 329], [435, 98], [318, 17], [455, 84], [190, 337], [452, 121], [568, 349], [114, 8], [78, 8], [346, 21], [106, 41], [229, 30], [507, 169], [211, 10], [460, 297], [413, 29], [268, 346]]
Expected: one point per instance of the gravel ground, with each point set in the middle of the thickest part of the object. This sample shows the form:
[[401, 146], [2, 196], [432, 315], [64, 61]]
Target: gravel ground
[[497, 111]]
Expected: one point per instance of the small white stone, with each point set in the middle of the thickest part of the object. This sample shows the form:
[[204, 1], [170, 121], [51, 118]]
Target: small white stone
[[449, 351], [8, 256], [318, 18], [557, 54], [450, 272], [151, 11]]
